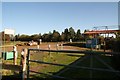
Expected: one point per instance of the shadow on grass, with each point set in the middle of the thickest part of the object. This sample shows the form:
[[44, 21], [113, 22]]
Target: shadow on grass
[[83, 74], [15, 69], [11, 67], [69, 73], [12, 77]]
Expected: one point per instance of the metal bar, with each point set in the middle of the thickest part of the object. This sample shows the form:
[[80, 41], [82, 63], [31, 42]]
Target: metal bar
[[28, 65], [88, 68], [75, 51]]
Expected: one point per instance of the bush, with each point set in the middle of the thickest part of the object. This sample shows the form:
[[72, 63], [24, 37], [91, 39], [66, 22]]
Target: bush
[[116, 57]]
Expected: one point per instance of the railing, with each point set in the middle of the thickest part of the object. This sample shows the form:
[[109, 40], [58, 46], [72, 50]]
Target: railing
[[87, 53]]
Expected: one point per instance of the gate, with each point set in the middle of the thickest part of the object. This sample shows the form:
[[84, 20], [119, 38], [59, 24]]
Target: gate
[[91, 69]]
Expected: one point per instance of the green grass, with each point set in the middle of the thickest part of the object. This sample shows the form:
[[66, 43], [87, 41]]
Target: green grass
[[75, 73], [59, 58], [82, 73]]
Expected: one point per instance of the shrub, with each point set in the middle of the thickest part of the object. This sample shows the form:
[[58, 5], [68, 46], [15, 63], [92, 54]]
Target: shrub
[[116, 57]]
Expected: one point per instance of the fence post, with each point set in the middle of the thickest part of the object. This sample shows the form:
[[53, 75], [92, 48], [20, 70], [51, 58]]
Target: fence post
[[49, 48], [61, 46], [28, 66], [23, 63], [15, 55], [57, 46]]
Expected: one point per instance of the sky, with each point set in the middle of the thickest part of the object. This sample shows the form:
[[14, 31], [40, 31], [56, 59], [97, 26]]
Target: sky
[[42, 17]]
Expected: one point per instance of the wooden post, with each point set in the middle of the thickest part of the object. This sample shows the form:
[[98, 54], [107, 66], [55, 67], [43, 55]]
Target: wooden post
[[23, 63], [38, 46], [49, 48], [15, 55], [57, 46], [62, 46]]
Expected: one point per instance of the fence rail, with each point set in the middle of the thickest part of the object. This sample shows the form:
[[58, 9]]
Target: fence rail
[[74, 51]]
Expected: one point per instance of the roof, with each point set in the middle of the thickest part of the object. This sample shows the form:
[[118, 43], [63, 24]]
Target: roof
[[101, 31]]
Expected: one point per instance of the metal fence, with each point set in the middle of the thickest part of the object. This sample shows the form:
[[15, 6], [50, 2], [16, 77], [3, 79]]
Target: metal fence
[[86, 54]]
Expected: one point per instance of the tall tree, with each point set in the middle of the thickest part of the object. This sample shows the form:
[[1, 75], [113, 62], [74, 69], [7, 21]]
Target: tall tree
[[72, 33], [47, 37], [78, 36], [62, 38], [67, 35], [55, 36], [17, 37]]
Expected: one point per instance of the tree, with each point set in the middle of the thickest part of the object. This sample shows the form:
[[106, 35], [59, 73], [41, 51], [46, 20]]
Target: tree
[[47, 37], [35, 37], [72, 33], [67, 35], [55, 36], [24, 37], [86, 30], [78, 36], [62, 38], [17, 37]]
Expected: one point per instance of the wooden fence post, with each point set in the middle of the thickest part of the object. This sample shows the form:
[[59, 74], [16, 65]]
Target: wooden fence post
[[23, 63], [15, 55], [61, 46], [57, 46]]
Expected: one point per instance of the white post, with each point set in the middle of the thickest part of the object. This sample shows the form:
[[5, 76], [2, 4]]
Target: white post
[[49, 46], [70, 40], [40, 41], [15, 55], [57, 46], [61, 46], [23, 62], [38, 46]]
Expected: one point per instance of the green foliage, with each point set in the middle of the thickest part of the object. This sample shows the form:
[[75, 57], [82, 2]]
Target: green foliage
[[72, 33], [62, 38], [54, 36], [67, 36], [78, 36], [24, 38], [46, 37], [116, 57]]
